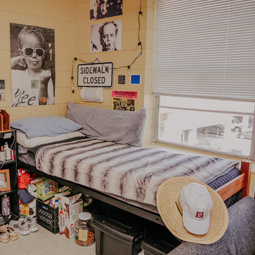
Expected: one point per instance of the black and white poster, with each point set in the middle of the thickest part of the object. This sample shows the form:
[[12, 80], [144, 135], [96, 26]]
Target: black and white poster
[[100, 9], [106, 36], [32, 65]]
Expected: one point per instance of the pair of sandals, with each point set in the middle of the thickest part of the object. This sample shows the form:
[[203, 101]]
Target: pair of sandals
[[24, 226], [7, 233]]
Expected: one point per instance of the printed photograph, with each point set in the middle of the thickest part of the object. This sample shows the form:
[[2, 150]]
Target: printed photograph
[[124, 100], [4, 180], [100, 9], [106, 36], [2, 84], [124, 104], [32, 65]]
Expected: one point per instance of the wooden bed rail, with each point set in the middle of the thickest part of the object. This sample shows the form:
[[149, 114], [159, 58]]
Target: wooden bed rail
[[240, 182]]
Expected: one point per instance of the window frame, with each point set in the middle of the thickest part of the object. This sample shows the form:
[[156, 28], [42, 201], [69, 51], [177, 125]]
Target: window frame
[[155, 136]]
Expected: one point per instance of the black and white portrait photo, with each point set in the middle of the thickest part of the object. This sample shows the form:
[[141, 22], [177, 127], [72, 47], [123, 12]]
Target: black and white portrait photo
[[100, 9], [32, 65], [106, 36]]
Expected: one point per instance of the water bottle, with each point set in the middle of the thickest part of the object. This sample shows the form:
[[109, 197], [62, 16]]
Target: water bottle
[[6, 211]]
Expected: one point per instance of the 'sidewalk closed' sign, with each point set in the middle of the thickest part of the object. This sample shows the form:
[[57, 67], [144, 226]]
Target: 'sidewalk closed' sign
[[95, 75]]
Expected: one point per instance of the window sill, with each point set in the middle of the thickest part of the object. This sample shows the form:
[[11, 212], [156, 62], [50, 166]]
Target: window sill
[[179, 149]]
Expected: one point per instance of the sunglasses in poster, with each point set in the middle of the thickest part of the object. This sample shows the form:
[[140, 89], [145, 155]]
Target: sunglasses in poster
[[30, 51]]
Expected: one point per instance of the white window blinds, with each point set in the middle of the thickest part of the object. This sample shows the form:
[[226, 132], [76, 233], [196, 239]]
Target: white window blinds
[[205, 48]]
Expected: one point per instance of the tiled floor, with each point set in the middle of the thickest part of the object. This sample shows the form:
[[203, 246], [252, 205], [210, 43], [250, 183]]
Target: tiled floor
[[43, 242]]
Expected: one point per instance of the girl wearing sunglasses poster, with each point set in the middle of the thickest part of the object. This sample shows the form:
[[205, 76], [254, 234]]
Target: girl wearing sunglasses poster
[[33, 65]]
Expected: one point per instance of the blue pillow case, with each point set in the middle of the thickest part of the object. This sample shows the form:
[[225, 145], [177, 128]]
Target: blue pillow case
[[45, 126]]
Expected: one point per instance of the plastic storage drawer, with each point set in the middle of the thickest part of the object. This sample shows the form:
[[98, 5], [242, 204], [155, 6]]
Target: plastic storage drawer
[[158, 241], [117, 234]]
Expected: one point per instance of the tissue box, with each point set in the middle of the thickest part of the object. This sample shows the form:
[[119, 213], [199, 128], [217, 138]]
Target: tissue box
[[45, 188], [70, 204]]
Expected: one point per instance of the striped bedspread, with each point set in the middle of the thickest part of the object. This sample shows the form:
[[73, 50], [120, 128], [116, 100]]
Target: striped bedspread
[[133, 173]]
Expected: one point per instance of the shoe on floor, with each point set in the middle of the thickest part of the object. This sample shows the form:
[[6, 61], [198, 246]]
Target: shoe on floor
[[20, 226], [4, 236], [10, 230], [32, 223]]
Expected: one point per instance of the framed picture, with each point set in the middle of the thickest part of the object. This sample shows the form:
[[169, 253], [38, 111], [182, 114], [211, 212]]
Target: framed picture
[[5, 180]]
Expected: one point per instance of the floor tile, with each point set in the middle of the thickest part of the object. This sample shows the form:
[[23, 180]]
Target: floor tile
[[44, 242]]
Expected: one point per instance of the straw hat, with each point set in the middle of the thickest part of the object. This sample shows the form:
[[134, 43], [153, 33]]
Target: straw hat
[[168, 204]]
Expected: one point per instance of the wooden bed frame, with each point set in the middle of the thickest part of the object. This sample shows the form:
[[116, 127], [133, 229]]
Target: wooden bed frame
[[239, 183]]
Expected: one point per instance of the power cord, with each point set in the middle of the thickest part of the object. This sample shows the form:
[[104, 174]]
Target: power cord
[[127, 66]]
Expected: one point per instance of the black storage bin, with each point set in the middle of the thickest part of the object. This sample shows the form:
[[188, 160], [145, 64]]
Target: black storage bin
[[158, 241], [118, 233], [47, 216]]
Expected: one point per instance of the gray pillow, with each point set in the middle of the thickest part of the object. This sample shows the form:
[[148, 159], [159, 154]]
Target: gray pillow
[[123, 127], [45, 126]]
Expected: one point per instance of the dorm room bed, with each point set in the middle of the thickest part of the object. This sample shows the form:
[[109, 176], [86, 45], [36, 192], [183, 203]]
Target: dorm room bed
[[122, 173]]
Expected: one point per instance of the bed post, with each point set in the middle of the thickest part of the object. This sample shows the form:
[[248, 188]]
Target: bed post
[[239, 183], [245, 169]]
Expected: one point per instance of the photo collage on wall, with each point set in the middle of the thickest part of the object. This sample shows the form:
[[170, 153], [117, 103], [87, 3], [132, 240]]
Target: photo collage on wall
[[105, 36], [32, 65], [124, 100]]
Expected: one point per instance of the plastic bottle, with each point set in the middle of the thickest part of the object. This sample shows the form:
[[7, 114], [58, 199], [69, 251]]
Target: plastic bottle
[[84, 231], [2, 154], [7, 151], [6, 205]]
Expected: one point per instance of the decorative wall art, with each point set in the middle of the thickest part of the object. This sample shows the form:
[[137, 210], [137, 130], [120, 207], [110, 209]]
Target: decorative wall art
[[106, 36], [33, 65], [100, 9]]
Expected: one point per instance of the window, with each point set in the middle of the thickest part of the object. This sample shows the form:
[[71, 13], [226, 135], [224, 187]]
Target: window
[[206, 124], [205, 75]]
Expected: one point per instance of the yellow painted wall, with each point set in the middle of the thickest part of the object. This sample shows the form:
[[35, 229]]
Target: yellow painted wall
[[129, 51], [71, 21], [55, 14]]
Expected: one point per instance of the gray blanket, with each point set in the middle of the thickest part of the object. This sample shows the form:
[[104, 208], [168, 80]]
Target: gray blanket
[[133, 173]]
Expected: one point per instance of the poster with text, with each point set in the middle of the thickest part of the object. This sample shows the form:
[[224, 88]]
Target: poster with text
[[32, 65], [100, 9], [106, 36], [124, 100]]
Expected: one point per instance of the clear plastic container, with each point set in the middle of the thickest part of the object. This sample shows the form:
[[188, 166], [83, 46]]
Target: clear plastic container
[[84, 231]]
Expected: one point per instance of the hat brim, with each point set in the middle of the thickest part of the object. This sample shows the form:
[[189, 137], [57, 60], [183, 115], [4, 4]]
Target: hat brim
[[167, 198]]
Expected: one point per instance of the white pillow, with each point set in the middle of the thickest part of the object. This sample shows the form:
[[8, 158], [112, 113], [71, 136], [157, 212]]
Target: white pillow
[[33, 142]]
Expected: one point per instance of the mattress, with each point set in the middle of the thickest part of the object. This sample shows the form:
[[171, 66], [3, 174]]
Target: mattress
[[130, 174]]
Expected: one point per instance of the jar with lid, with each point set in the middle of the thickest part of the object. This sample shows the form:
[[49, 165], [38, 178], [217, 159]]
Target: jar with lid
[[84, 231]]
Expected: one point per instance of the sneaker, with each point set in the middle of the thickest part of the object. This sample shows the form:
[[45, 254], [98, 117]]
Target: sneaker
[[4, 236], [32, 223], [10, 230], [21, 226]]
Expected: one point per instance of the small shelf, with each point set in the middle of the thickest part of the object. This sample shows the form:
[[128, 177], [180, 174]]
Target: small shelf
[[4, 136], [8, 218], [2, 193], [9, 137], [7, 162]]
